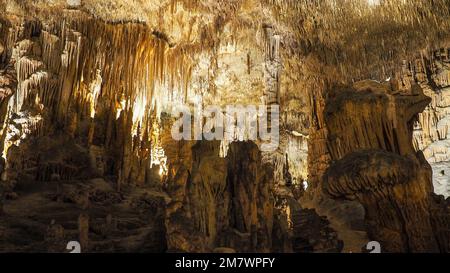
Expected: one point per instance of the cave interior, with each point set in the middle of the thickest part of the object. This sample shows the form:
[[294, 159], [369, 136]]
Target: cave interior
[[357, 146]]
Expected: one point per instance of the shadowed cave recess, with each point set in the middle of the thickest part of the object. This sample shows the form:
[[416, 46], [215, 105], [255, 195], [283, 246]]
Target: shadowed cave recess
[[87, 93]]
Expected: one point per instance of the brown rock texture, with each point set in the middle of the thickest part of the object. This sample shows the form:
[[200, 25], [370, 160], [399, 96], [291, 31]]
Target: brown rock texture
[[374, 162], [86, 94], [219, 202]]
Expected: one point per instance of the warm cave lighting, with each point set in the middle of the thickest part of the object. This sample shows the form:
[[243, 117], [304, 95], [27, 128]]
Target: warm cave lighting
[[253, 127], [305, 185], [158, 158], [139, 110], [374, 2], [95, 88], [120, 107]]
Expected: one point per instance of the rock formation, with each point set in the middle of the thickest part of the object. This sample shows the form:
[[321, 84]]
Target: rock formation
[[381, 169], [219, 202], [430, 71], [87, 95]]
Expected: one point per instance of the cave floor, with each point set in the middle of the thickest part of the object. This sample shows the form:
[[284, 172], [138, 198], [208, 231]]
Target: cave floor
[[44, 218]]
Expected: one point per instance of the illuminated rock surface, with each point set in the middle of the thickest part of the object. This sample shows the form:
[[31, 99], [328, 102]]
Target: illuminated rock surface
[[86, 92]]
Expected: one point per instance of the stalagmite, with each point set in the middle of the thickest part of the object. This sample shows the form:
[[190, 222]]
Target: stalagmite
[[83, 230]]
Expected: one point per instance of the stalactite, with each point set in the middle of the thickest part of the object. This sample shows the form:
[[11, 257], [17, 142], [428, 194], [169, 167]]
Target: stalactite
[[84, 65]]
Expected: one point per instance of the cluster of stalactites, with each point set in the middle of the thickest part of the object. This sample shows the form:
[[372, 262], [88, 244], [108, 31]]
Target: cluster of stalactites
[[126, 65], [85, 67], [361, 38]]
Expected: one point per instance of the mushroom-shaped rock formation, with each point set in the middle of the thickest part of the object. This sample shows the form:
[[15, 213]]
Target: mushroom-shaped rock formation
[[395, 191], [374, 162]]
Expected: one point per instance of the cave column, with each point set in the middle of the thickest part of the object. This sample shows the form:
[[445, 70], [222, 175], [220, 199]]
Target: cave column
[[272, 67]]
